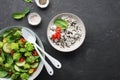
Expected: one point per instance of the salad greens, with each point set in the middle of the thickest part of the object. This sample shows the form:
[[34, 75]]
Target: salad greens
[[20, 15], [18, 58]]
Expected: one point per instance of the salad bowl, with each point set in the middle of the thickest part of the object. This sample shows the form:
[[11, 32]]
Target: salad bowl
[[40, 64]]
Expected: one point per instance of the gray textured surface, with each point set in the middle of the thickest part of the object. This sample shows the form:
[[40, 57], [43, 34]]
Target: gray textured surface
[[98, 58]]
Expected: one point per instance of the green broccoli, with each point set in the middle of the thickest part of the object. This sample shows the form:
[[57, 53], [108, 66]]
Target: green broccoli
[[29, 46], [22, 50], [27, 54], [17, 33], [26, 66], [30, 59], [14, 46], [7, 65], [16, 56], [24, 76]]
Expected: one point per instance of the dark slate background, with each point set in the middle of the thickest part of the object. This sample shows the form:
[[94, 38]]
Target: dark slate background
[[99, 56]]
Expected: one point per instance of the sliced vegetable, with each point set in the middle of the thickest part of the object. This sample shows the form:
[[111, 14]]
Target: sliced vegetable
[[61, 23], [16, 68], [20, 63], [7, 47], [35, 65]]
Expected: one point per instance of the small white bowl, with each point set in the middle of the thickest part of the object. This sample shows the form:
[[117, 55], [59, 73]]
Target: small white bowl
[[40, 5], [78, 43], [34, 19]]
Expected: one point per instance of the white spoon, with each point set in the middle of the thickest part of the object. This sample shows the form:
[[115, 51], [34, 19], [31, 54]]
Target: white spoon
[[32, 39]]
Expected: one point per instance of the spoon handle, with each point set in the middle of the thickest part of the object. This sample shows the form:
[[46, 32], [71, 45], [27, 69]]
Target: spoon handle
[[47, 66], [54, 61]]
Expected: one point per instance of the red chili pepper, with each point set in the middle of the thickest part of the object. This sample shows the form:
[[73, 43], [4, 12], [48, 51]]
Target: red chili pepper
[[58, 29], [22, 40], [34, 53], [11, 52], [22, 59]]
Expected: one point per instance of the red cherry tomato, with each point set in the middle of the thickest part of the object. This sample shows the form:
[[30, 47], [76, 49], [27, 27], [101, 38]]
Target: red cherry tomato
[[58, 29], [34, 53], [22, 40], [58, 35], [11, 52], [22, 59], [54, 36]]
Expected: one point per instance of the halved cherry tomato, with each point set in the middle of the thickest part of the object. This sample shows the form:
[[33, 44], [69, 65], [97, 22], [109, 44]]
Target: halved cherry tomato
[[54, 36], [58, 35], [34, 53], [11, 52], [22, 59], [35, 69], [22, 40], [58, 29]]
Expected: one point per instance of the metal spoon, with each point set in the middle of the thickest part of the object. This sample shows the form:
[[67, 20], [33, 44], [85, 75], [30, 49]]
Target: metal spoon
[[32, 39]]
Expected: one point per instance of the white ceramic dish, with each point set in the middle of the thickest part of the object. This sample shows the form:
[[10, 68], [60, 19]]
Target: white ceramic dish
[[34, 19], [40, 67], [42, 6], [78, 43]]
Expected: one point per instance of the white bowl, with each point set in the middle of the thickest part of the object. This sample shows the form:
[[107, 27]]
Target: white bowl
[[77, 44], [42, 6], [34, 19], [40, 67]]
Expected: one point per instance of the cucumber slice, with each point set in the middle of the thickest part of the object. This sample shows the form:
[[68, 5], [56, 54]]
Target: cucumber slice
[[35, 65], [6, 47], [20, 63], [16, 68]]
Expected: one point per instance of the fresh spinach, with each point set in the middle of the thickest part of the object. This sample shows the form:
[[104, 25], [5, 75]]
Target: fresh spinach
[[20, 15]]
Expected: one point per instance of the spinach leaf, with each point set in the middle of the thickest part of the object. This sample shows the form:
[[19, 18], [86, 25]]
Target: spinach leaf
[[26, 11], [28, 1], [61, 23], [3, 74], [18, 15], [9, 59]]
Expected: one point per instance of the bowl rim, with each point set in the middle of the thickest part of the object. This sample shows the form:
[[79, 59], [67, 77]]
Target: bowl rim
[[83, 27], [40, 67]]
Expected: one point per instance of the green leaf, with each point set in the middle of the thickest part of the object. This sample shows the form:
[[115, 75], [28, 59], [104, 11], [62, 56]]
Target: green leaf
[[28, 1], [26, 10], [9, 59], [61, 23], [3, 74], [18, 15]]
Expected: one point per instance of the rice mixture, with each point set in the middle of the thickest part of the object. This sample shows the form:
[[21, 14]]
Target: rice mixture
[[70, 35]]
